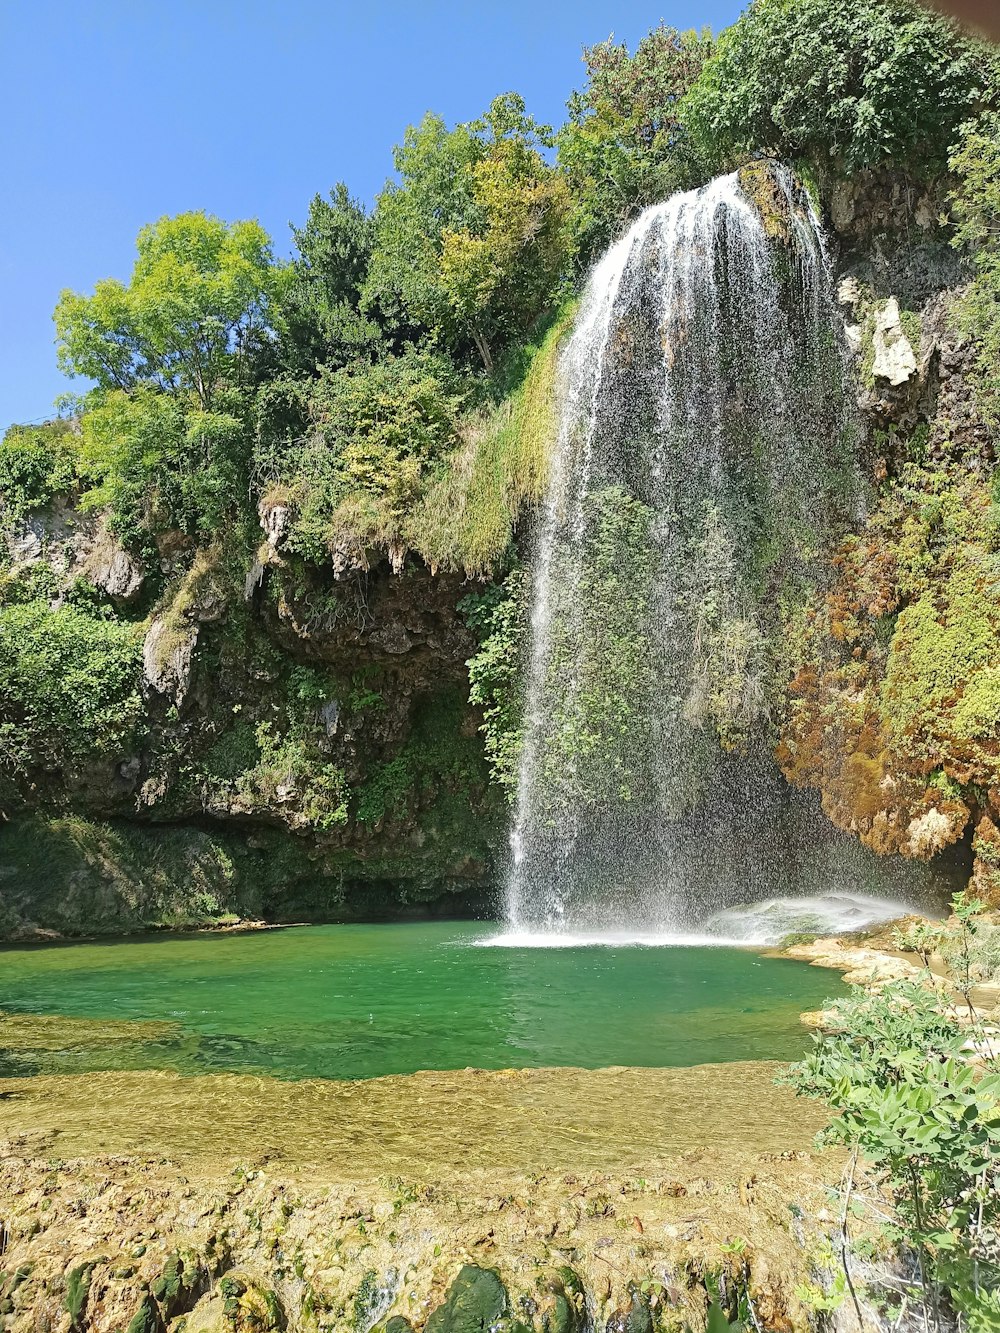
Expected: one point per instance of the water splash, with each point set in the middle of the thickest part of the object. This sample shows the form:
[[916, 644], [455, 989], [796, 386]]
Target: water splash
[[707, 451]]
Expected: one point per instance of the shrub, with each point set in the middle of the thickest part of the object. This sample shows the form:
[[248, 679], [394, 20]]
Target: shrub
[[844, 84], [69, 687], [36, 463]]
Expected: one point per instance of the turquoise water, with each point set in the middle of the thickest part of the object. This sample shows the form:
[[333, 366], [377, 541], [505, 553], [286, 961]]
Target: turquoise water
[[358, 1001]]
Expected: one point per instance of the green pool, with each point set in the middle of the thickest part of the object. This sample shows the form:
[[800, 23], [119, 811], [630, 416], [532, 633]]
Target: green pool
[[363, 1000]]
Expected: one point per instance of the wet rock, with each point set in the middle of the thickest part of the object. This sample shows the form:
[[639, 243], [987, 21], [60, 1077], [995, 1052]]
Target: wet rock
[[637, 1318], [475, 1301], [147, 1318]]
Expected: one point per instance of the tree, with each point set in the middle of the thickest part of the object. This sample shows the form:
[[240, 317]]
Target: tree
[[624, 146], [157, 461], [842, 84], [319, 307], [199, 301], [472, 241]]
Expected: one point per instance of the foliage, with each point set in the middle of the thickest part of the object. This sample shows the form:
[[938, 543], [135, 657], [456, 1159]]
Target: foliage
[[844, 84], [894, 708], [472, 241], [905, 1097], [466, 516], [289, 768], [69, 688], [976, 164], [377, 431], [625, 146], [600, 664], [36, 463], [498, 619], [156, 461], [197, 308], [438, 768], [318, 309]]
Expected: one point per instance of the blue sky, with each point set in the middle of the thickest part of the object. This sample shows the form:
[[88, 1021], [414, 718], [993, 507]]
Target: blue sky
[[116, 112]]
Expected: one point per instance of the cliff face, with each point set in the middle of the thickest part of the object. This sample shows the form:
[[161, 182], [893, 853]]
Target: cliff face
[[195, 730], [303, 745], [892, 708]]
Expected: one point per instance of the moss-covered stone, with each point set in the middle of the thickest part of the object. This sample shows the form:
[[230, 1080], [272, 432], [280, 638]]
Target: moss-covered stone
[[475, 1302]]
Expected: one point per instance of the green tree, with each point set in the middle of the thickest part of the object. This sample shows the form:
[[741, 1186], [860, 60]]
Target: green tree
[[69, 688], [624, 146], [319, 306], [842, 84], [156, 460], [472, 241], [377, 432], [198, 305]]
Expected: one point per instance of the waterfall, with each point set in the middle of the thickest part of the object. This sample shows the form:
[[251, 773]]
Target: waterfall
[[707, 453]]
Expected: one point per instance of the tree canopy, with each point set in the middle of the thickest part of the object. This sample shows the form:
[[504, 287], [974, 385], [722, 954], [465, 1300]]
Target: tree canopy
[[199, 301], [844, 84]]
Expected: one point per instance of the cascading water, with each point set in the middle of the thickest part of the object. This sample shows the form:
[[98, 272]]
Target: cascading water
[[707, 451]]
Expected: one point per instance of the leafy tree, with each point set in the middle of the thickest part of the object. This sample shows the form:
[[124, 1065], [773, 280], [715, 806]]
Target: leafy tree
[[157, 461], [843, 84], [199, 303], [472, 242], [625, 146], [319, 307], [36, 463]]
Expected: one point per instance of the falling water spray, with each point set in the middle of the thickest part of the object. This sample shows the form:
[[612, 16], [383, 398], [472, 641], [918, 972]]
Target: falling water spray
[[707, 454]]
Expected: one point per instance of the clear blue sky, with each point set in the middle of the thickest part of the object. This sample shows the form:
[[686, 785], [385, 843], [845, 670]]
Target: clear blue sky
[[116, 112]]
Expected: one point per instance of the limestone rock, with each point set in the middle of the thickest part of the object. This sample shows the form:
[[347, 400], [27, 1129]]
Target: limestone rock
[[895, 360], [167, 654], [116, 572], [275, 520], [931, 831]]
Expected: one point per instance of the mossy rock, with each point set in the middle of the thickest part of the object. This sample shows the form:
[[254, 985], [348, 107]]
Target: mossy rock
[[147, 1318], [78, 1292], [176, 1287], [475, 1302], [638, 1318], [397, 1324]]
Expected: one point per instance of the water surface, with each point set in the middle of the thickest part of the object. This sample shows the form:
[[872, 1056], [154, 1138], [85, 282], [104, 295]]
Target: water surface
[[357, 1001]]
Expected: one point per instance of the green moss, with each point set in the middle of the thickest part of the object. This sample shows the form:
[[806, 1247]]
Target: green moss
[[77, 1294], [475, 1302], [466, 518]]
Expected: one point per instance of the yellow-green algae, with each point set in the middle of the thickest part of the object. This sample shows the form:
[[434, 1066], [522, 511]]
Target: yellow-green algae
[[425, 1124]]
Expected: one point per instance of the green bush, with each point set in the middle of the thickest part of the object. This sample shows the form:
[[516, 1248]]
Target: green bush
[[905, 1096], [36, 463], [69, 687], [498, 618], [378, 431], [843, 84]]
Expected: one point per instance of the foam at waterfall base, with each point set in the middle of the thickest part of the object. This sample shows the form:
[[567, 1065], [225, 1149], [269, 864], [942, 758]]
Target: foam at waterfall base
[[770, 921], [752, 925], [609, 939]]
